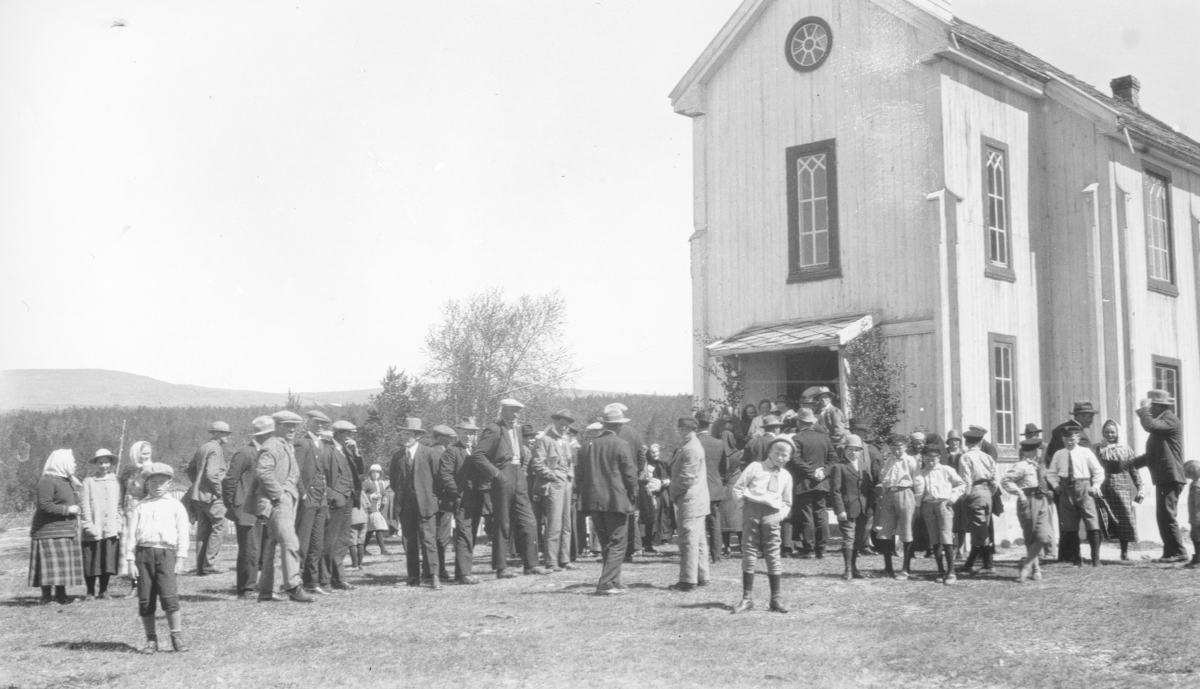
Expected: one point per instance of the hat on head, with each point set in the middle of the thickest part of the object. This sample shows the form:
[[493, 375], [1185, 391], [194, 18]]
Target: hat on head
[[375, 467], [412, 424], [101, 454], [444, 431], [219, 427], [572, 430], [286, 416], [975, 433], [263, 425], [467, 424], [954, 435], [932, 448], [317, 415], [1028, 443], [1160, 397], [510, 402], [782, 398], [158, 469], [595, 426], [616, 405], [1071, 426], [806, 415], [614, 414], [1083, 407], [917, 434], [1031, 430], [563, 414], [325, 434], [822, 390], [688, 422], [854, 441], [703, 417], [527, 431], [344, 425], [771, 421]]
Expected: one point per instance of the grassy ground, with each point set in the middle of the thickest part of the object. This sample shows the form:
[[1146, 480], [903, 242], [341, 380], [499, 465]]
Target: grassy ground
[[1121, 625]]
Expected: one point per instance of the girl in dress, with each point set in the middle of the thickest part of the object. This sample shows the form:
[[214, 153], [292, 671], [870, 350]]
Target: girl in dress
[[375, 505], [101, 525], [55, 560], [1122, 487]]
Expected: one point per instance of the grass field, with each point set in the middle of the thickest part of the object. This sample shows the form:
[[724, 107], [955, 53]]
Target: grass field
[[1120, 625]]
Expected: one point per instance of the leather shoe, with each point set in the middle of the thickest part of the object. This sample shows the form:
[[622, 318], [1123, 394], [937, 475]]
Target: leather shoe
[[1170, 560], [568, 566], [299, 596], [317, 590], [177, 643], [343, 586], [150, 648], [682, 587], [436, 584], [506, 574], [536, 570], [746, 605], [467, 580], [609, 591], [412, 581], [445, 576], [270, 598]]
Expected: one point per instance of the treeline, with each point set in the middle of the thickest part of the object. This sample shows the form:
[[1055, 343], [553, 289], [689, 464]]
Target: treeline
[[28, 437]]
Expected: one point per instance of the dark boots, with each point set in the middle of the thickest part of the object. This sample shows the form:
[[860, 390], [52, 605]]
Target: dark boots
[[908, 556], [776, 602], [985, 553], [1094, 546], [969, 566], [886, 548], [848, 559], [948, 552], [940, 556], [747, 603]]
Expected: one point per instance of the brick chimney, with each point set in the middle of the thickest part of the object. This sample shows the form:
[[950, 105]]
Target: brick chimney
[[1127, 88]]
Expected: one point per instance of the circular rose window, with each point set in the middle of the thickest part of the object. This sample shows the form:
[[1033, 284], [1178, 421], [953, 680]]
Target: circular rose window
[[808, 44]]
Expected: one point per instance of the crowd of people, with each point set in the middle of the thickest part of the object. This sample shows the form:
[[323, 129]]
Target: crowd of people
[[547, 498]]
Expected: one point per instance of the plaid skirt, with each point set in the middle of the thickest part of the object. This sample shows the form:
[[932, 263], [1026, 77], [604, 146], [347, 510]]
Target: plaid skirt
[[101, 557], [55, 562], [1119, 520]]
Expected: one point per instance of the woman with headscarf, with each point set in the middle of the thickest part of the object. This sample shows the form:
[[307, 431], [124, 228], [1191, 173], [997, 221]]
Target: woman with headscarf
[[55, 560], [100, 524], [1122, 487]]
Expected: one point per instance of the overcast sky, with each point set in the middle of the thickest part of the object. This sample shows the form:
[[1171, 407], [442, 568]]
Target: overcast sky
[[283, 195]]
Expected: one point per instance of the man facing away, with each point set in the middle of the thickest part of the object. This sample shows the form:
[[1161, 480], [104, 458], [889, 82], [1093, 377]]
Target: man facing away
[[606, 478], [236, 489], [717, 469], [209, 469]]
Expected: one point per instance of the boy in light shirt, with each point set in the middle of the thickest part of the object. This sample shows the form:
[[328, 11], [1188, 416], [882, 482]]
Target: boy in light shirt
[[156, 545], [940, 487], [764, 492]]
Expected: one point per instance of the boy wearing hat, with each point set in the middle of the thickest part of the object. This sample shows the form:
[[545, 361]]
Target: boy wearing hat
[[156, 543], [897, 504], [938, 488], [1076, 475], [852, 486], [978, 470], [1027, 480], [207, 471]]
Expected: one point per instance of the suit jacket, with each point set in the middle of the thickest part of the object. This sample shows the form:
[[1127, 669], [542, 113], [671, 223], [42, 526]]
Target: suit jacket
[[606, 478], [1164, 447], [209, 461], [853, 489], [689, 481], [494, 449], [552, 462], [814, 450], [756, 449], [275, 473], [416, 486], [314, 458], [716, 465], [345, 479], [238, 482], [455, 472], [636, 446]]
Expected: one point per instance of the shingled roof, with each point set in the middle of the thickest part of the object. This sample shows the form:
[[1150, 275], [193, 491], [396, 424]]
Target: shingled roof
[[1020, 60]]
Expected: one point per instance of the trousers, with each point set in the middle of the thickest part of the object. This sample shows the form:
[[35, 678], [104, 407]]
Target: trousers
[[611, 529], [310, 532], [812, 514], [156, 579], [210, 531], [420, 538], [513, 512], [280, 531], [714, 525], [553, 512], [443, 534], [249, 542], [336, 544], [470, 509], [762, 528], [693, 550], [1164, 512]]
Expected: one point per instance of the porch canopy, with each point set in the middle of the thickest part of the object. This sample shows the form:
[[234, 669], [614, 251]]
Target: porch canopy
[[796, 334]]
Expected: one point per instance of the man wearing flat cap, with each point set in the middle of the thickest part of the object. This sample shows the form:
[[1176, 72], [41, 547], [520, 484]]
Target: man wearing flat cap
[[1164, 458], [497, 457], [460, 496], [345, 486], [607, 485], [237, 490], [551, 473], [207, 471], [415, 481], [275, 495], [315, 457], [689, 494]]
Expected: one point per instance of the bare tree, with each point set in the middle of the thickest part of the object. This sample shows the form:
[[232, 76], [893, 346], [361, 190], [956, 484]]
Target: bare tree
[[488, 348]]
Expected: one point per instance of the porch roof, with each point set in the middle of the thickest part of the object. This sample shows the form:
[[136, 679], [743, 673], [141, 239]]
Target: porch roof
[[796, 334]]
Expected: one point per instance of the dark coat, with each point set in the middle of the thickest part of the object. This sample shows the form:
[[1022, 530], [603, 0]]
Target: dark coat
[[637, 447], [314, 459], [756, 449], [853, 491], [239, 480], [455, 470], [814, 450], [419, 486], [493, 450], [716, 461], [55, 495], [606, 476], [1164, 447]]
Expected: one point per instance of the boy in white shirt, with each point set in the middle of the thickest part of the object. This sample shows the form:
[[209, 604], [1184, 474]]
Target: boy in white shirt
[[1076, 476], [764, 491], [156, 545], [938, 488]]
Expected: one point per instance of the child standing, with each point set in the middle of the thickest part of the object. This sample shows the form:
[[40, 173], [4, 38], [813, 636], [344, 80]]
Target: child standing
[[156, 545], [1192, 471], [1027, 479], [100, 524], [764, 491], [938, 488]]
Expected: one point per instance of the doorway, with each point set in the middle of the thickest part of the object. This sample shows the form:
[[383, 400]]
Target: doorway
[[805, 369]]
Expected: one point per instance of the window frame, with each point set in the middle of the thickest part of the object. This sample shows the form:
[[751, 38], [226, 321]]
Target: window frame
[[1010, 341], [1175, 365], [991, 269], [1166, 287], [833, 269]]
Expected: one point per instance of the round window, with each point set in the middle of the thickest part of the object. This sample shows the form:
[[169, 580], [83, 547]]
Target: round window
[[808, 44]]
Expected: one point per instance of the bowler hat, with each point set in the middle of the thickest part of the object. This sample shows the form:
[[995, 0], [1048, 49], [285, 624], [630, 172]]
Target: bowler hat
[[317, 415], [285, 416], [101, 454], [563, 414], [263, 425], [344, 425], [412, 424], [1083, 407], [954, 435], [219, 427], [510, 402], [1161, 397], [1031, 430], [613, 414], [688, 422], [444, 431], [158, 469]]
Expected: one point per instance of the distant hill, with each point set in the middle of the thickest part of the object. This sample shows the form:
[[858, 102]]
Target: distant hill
[[85, 387], [44, 389]]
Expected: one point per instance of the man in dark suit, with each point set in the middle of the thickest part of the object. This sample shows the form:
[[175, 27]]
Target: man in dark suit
[[814, 453], [498, 457], [852, 487], [1164, 457], [414, 481], [345, 486], [606, 480], [442, 436], [460, 496], [716, 461], [315, 458], [756, 449], [235, 491], [874, 449], [638, 449]]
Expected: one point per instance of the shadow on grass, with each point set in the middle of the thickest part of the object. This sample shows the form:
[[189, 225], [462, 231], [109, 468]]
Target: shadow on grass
[[706, 606], [92, 646], [21, 602], [195, 598], [380, 580]]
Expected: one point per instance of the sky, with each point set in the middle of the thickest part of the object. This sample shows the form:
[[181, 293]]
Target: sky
[[272, 196]]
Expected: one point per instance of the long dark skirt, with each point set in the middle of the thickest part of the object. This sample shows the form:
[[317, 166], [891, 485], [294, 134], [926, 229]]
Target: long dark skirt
[[55, 562], [101, 557], [1119, 520]]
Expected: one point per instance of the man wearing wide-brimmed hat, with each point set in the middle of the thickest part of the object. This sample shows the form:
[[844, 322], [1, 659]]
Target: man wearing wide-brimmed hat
[[207, 471], [607, 485], [315, 457], [498, 457], [461, 496], [830, 418], [552, 471], [415, 481], [275, 496], [1164, 458], [815, 454], [638, 448]]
